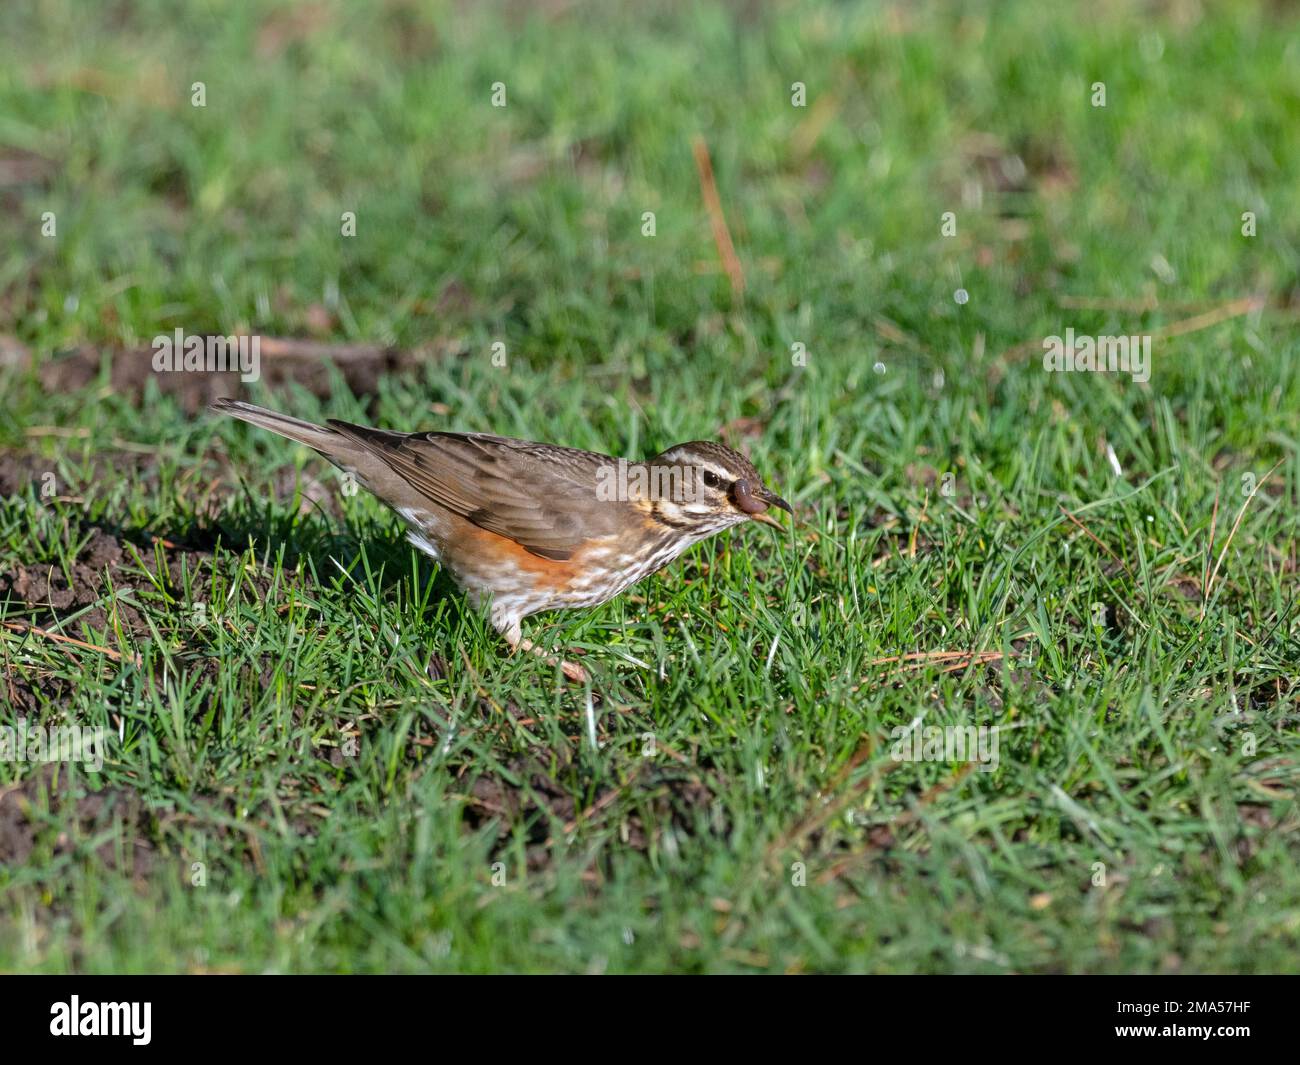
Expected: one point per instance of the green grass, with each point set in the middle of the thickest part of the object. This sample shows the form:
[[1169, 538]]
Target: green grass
[[309, 710]]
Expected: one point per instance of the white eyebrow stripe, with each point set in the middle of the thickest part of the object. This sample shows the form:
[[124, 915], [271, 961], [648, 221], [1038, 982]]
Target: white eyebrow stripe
[[685, 459]]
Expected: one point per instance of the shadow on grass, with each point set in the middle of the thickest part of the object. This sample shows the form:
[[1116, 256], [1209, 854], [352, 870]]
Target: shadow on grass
[[109, 558]]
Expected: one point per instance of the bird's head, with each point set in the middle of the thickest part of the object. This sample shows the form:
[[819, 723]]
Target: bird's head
[[701, 488]]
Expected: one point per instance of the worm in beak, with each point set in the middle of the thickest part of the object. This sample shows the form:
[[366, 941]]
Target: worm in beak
[[755, 503]]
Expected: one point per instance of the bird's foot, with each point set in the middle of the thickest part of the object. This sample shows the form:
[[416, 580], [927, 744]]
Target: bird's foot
[[571, 670]]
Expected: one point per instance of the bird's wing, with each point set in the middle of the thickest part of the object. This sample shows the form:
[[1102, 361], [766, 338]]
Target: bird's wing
[[542, 497]]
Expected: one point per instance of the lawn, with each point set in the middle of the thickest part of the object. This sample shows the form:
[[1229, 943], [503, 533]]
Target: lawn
[[836, 237]]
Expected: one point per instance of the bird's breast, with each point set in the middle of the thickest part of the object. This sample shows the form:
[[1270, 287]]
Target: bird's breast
[[490, 567]]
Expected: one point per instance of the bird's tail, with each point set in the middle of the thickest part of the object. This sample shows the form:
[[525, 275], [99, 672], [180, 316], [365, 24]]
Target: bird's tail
[[353, 448], [320, 437]]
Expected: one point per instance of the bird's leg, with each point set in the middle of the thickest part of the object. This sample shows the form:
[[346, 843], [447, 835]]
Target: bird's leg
[[515, 638], [570, 669]]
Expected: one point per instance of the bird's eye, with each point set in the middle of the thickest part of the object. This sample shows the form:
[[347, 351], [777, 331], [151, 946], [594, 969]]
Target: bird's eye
[[711, 479]]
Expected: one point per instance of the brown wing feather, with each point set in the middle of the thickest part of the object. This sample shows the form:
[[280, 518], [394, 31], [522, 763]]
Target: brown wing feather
[[540, 496]]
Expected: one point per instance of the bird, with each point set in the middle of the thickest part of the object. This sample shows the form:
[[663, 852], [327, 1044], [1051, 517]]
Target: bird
[[524, 527]]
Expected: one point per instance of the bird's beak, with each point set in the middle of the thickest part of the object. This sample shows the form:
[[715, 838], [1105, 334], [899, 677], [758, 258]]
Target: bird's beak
[[758, 503]]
